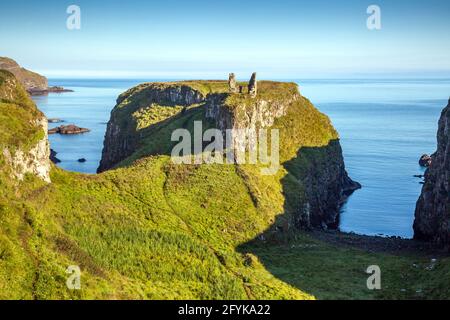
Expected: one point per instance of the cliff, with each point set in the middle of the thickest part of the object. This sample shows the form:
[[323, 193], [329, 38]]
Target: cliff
[[432, 217], [144, 116], [31, 81], [150, 229], [23, 134], [139, 108]]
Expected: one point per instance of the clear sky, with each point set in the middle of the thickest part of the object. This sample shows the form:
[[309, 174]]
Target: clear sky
[[198, 38]]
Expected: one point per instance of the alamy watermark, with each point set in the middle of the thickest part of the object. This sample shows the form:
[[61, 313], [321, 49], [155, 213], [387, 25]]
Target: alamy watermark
[[73, 282], [231, 146], [374, 20], [374, 280], [73, 21]]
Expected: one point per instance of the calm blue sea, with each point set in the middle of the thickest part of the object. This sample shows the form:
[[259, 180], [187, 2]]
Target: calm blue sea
[[385, 126]]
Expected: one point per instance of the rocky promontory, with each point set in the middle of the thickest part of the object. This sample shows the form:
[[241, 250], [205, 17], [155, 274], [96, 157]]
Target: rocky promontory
[[432, 218], [146, 115], [34, 83]]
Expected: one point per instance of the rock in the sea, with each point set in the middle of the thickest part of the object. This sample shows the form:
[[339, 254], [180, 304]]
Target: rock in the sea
[[232, 85], [432, 217], [54, 89], [53, 157], [82, 160], [69, 129], [425, 161], [58, 89], [253, 86]]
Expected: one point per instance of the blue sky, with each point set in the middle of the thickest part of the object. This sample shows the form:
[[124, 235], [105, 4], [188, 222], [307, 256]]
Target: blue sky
[[199, 39]]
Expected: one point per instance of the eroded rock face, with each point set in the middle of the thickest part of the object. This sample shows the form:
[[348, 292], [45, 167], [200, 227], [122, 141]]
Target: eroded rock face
[[22, 154], [121, 138], [432, 217], [244, 119], [328, 186], [35, 161]]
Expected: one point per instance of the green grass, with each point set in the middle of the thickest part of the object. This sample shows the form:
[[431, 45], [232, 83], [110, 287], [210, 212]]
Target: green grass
[[332, 272], [154, 230], [18, 116]]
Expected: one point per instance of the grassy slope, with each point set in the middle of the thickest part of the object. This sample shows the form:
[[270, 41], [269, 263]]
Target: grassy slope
[[17, 115], [155, 230], [22, 74]]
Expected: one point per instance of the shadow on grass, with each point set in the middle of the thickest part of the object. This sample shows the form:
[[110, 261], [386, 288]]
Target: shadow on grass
[[315, 188]]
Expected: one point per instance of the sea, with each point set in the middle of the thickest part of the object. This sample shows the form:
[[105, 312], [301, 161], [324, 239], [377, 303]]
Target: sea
[[385, 125]]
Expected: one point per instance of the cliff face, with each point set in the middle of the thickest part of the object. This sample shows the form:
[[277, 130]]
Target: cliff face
[[326, 183], [24, 143], [321, 181], [432, 218], [123, 136], [31, 81], [247, 116]]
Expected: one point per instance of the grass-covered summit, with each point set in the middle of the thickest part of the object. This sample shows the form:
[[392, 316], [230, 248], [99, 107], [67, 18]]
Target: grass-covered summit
[[30, 80], [150, 229]]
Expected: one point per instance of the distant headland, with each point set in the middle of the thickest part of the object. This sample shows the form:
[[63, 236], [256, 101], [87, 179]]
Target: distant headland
[[34, 83]]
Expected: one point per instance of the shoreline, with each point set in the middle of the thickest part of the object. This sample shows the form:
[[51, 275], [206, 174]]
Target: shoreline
[[378, 244]]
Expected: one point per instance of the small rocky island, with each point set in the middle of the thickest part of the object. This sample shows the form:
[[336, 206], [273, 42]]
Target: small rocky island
[[69, 129], [54, 89]]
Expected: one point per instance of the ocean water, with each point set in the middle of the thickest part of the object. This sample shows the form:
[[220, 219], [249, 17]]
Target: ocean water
[[89, 106], [384, 125]]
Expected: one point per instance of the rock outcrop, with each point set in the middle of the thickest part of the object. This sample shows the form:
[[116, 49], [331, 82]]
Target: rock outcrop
[[69, 129], [35, 161], [232, 84], [122, 137], [53, 157], [24, 146], [425, 160], [246, 118], [31, 81], [432, 217], [327, 186], [253, 86]]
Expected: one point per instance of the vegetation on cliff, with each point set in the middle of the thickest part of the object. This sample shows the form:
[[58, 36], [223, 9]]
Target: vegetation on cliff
[[151, 229], [18, 115]]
